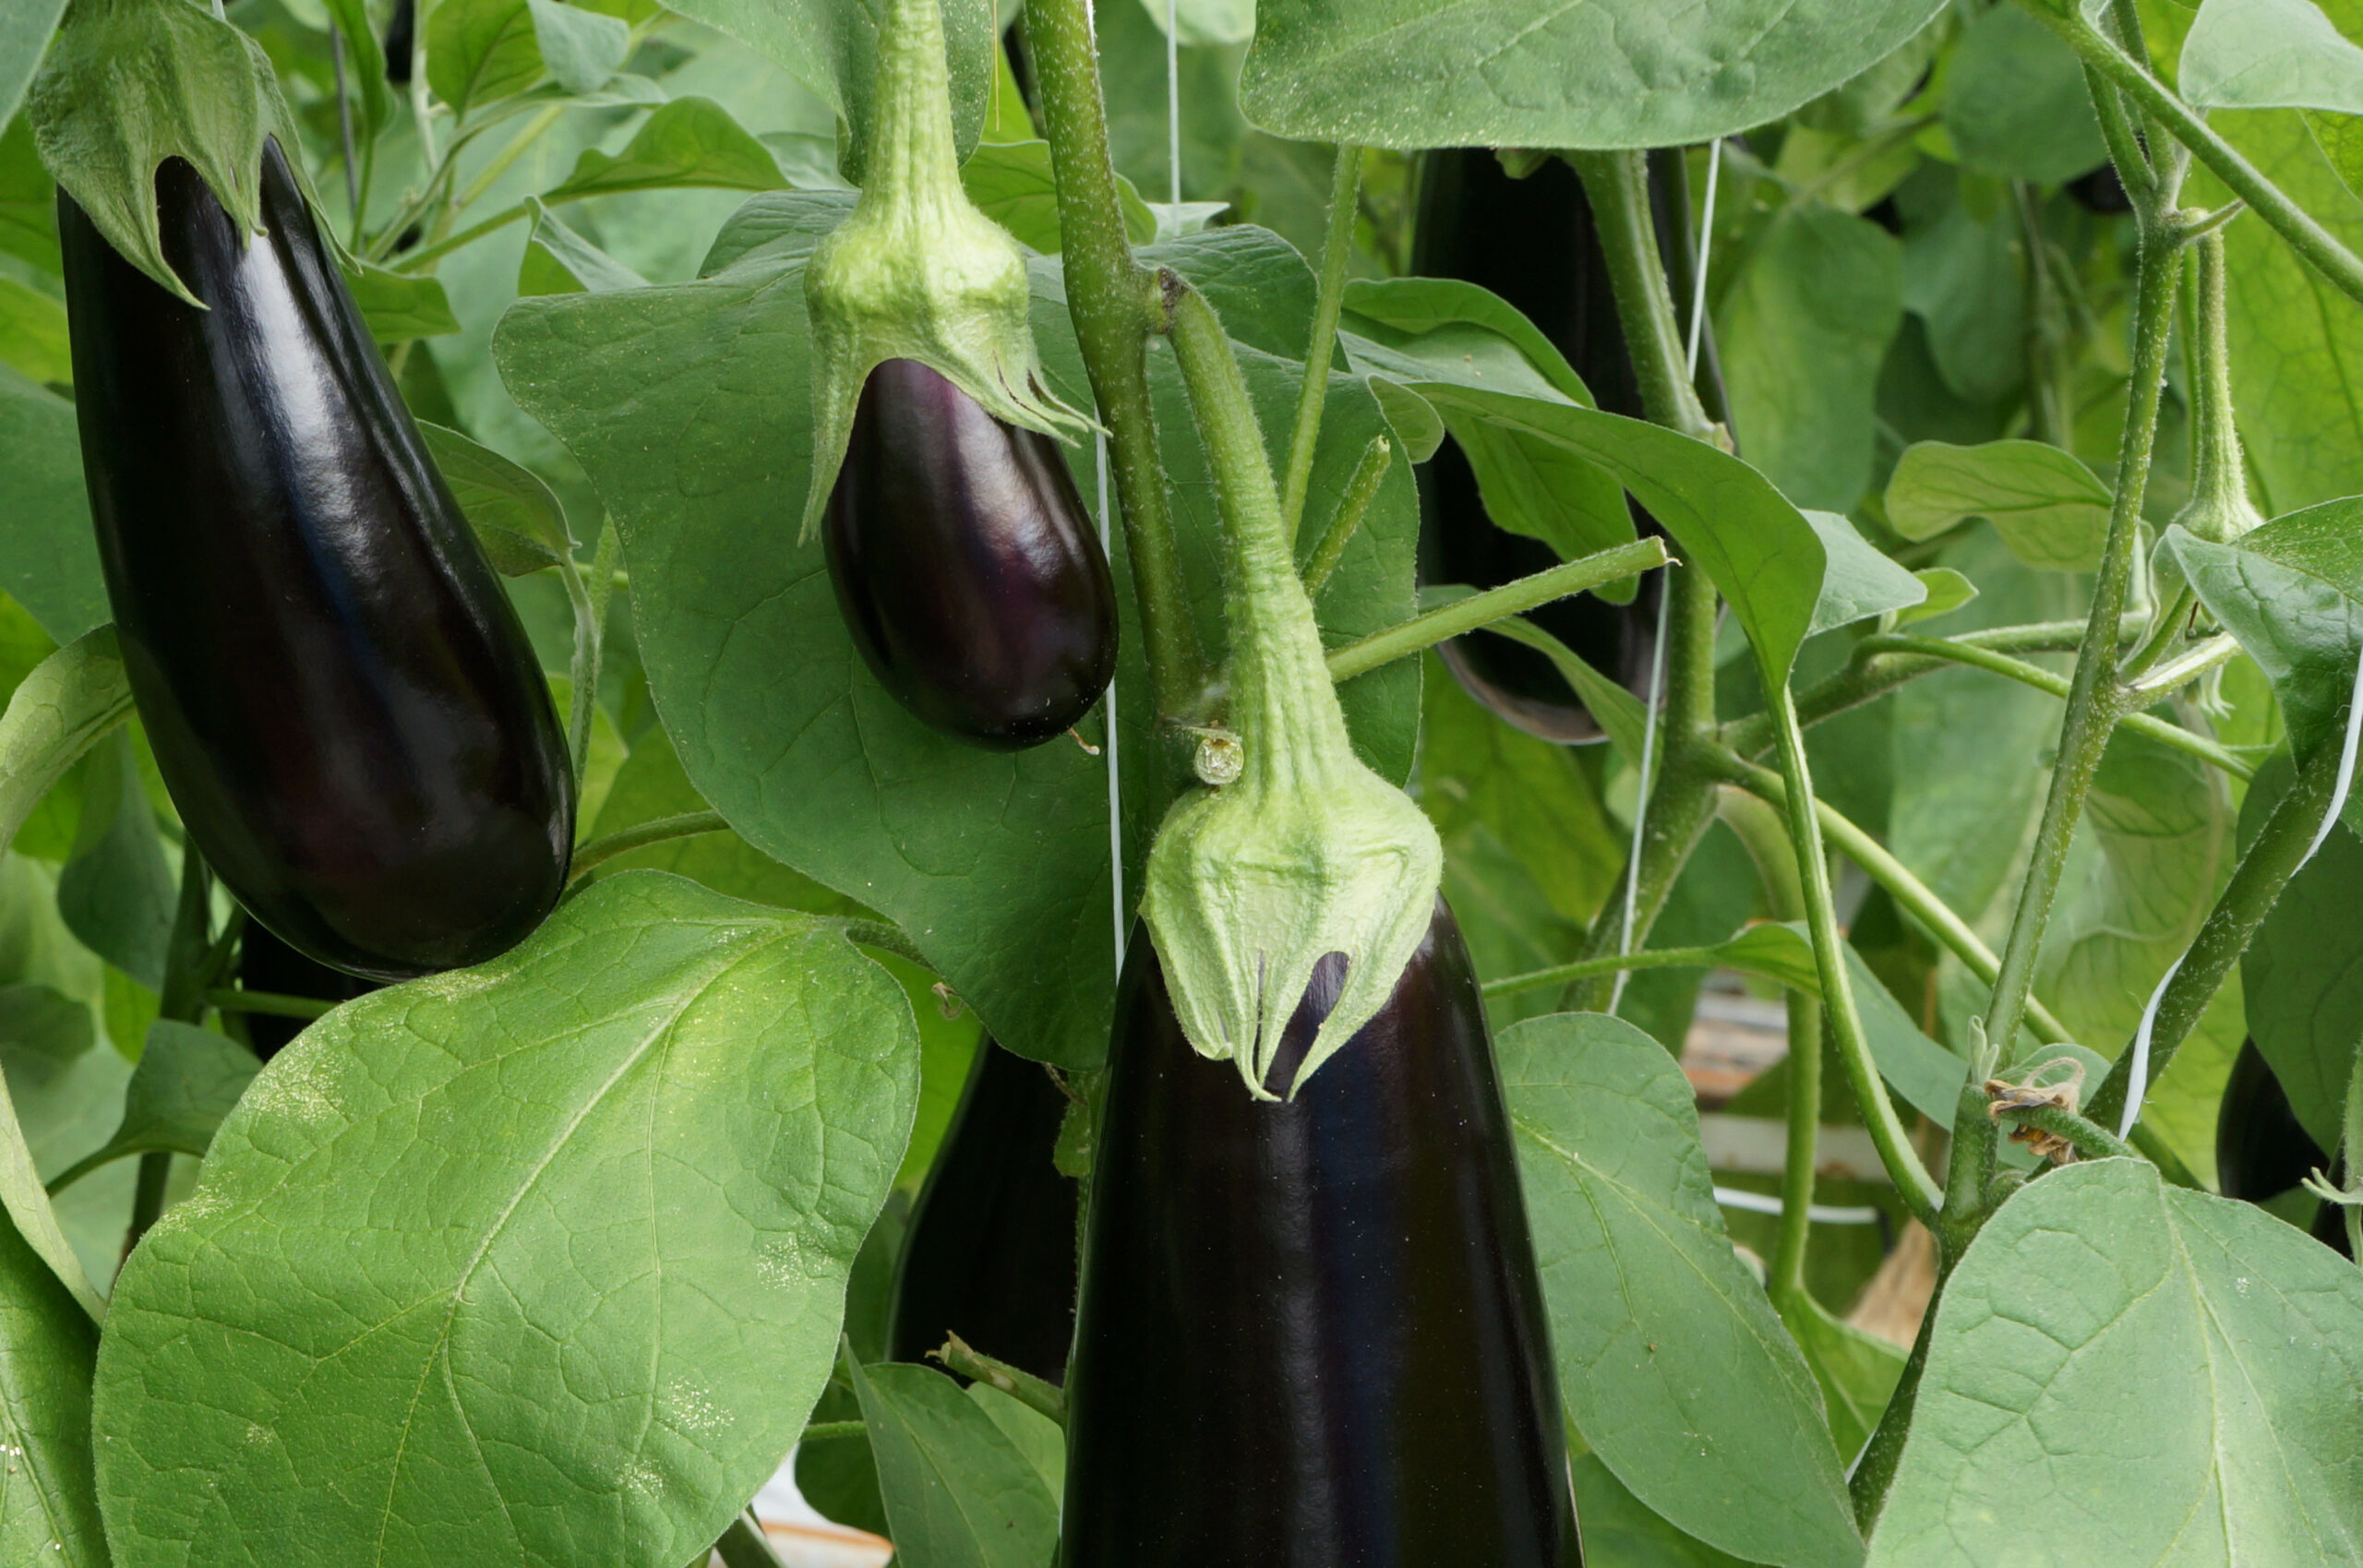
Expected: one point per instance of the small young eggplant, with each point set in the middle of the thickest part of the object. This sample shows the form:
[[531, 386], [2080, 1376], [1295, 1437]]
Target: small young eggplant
[[990, 1252], [1533, 242], [2261, 1149], [965, 566], [266, 963], [340, 695], [1312, 1333]]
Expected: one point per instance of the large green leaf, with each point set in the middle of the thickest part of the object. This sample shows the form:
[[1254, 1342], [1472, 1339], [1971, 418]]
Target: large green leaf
[[49, 1512], [2015, 102], [1725, 517], [2302, 974], [958, 1492], [2136, 1373], [1574, 72], [831, 47], [540, 1261], [687, 406], [2269, 55], [1672, 1364], [1803, 329], [48, 562], [691, 142], [2291, 592]]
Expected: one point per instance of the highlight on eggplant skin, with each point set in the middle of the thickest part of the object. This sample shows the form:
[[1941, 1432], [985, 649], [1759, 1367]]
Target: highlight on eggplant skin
[[339, 693], [1346, 1358], [967, 569], [1533, 242], [990, 1254]]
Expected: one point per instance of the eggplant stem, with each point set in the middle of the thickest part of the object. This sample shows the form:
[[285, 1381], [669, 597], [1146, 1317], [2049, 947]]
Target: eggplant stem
[[1361, 489], [598, 851], [1337, 249], [1478, 610]]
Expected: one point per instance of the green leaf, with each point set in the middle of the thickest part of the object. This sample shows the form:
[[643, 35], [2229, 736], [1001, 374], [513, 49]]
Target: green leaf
[[1859, 582], [1802, 329], [582, 48], [1620, 714], [958, 1492], [2050, 509], [775, 226], [687, 407], [44, 1020], [1011, 184], [1923, 1072], [1947, 591], [1728, 520], [32, 333], [690, 142], [1672, 1364], [569, 1199], [67, 705], [2292, 593], [1200, 23], [48, 560], [1467, 73], [118, 893], [2302, 974], [559, 261], [2015, 103], [1620, 1532], [1857, 1373], [66, 1109], [479, 51], [1443, 330], [651, 786], [49, 1512], [517, 519], [2269, 55], [2207, 1358], [1964, 279], [832, 48], [188, 1079], [27, 198], [25, 27], [399, 305], [365, 62], [1032, 1433]]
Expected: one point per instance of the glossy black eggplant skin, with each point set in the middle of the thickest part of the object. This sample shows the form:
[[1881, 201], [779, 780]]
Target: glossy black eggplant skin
[[2261, 1149], [1311, 1333], [990, 1252], [266, 963], [965, 566], [1534, 243], [340, 695], [401, 35]]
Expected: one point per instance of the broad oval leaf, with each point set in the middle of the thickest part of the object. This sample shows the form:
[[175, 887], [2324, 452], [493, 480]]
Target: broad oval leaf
[[1574, 73], [49, 1512], [1672, 1363], [516, 516], [540, 1263], [2152, 1374]]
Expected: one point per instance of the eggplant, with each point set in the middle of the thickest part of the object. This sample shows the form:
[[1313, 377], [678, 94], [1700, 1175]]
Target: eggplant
[[2262, 1151], [266, 963], [990, 1252], [1533, 242], [340, 695], [967, 569], [1311, 1332], [401, 34], [2101, 192]]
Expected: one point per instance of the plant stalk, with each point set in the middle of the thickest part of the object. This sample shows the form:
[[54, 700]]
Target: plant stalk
[[231, 998], [1462, 616], [1361, 489], [1114, 302], [1336, 250], [601, 850]]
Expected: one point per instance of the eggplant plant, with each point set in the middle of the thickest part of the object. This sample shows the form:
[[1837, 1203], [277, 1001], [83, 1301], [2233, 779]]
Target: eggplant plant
[[1087, 783]]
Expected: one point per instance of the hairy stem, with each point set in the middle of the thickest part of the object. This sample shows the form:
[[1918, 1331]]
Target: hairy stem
[[1462, 616], [2088, 1138], [1361, 489], [1337, 249], [1113, 301]]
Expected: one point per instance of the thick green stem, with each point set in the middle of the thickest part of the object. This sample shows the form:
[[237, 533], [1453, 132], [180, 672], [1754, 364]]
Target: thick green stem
[[2108, 59], [1913, 895], [1114, 304], [1913, 1182], [1337, 249], [1617, 185], [2271, 858], [1875, 1471], [2093, 700], [2042, 680], [1463, 616]]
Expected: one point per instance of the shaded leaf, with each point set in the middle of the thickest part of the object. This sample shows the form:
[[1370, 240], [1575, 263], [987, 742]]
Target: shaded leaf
[[958, 1492], [1858, 582], [49, 1512], [1011, 184], [2302, 974], [44, 1020], [32, 333], [689, 142], [2050, 509], [399, 305], [2269, 55], [2015, 103], [1620, 1531], [1672, 1364], [479, 51], [118, 893], [188, 1079], [517, 519], [582, 48], [49, 562], [568, 1199], [559, 261]]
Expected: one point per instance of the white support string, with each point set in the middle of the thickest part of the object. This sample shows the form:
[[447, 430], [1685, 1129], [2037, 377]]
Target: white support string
[[2137, 1083], [1115, 785], [1657, 646], [1173, 105]]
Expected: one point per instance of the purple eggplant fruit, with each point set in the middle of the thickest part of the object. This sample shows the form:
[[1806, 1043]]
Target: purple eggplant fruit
[[965, 566], [1311, 1332]]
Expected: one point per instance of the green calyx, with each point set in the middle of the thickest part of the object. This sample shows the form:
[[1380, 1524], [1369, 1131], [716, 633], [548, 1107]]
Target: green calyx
[[1308, 851], [917, 272], [2219, 509], [129, 83]]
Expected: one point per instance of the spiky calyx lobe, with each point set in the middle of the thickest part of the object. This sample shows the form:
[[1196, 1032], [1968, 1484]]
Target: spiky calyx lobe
[[917, 272], [1310, 852], [131, 83]]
